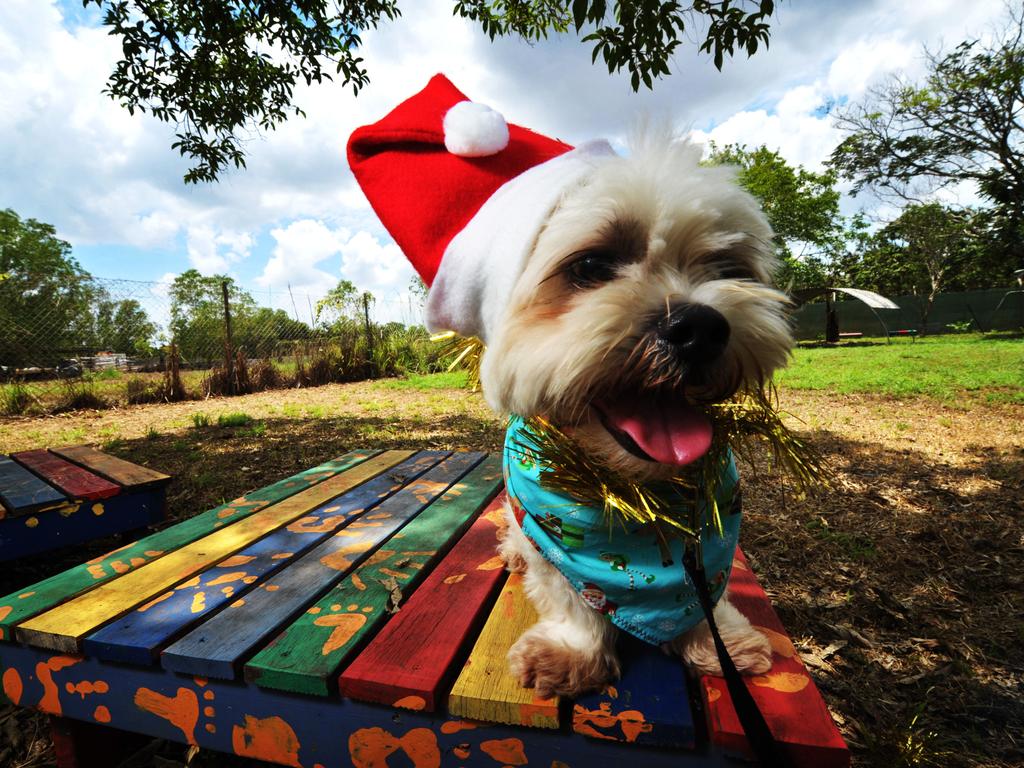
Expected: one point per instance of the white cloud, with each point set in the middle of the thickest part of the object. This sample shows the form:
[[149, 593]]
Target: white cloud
[[72, 157], [799, 125], [310, 257], [801, 137], [301, 247], [367, 261], [163, 283], [869, 60], [213, 252]]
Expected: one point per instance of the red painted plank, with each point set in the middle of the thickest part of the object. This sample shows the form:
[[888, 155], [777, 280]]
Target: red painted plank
[[76, 482], [408, 662], [791, 704]]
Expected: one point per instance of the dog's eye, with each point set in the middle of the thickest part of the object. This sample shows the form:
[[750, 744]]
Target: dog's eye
[[591, 268], [734, 272]]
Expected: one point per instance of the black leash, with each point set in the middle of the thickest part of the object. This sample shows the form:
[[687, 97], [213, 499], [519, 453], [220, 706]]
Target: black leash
[[764, 746]]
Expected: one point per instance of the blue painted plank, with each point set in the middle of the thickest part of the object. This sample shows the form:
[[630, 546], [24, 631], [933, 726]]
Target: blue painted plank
[[80, 522], [648, 705], [23, 493], [138, 636], [268, 725], [217, 647]]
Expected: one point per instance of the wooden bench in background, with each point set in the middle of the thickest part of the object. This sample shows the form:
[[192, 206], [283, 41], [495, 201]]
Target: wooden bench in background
[[267, 628], [62, 496]]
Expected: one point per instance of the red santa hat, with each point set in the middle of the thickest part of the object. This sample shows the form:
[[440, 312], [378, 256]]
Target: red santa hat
[[464, 195]]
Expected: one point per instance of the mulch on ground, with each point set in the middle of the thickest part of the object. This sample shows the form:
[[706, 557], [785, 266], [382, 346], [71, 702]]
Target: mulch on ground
[[901, 584]]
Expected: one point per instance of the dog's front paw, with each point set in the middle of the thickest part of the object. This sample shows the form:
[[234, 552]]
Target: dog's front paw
[[514, 560], [554, 668], [749, 649]]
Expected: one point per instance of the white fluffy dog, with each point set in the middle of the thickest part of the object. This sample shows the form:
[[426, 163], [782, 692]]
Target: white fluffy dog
[[647, 290], [614, 294]]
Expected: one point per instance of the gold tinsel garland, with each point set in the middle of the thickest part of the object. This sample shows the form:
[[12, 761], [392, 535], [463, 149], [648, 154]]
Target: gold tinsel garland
[[464, 352], [737, 424]]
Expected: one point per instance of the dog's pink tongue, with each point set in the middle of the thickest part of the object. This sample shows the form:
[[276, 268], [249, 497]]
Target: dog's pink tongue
[[669, 432]]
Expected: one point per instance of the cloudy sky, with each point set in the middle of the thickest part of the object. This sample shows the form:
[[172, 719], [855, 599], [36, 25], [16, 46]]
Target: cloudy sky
[[112, 186]]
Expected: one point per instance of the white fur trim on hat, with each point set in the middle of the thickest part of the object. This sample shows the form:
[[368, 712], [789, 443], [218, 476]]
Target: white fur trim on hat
[[474, 130], [483, 261]]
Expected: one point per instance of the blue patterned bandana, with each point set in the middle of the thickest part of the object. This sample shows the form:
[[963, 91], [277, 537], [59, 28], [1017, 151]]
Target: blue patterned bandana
[[618, 570]]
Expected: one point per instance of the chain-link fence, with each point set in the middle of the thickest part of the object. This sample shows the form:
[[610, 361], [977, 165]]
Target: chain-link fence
[[76, 341], [81, 341]]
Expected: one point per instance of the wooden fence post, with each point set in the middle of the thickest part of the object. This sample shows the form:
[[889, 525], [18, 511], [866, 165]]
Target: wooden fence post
[[369, 334], [229, 352]]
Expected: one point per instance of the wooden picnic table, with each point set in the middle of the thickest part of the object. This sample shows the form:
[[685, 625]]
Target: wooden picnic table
[[62, 496], [270, 628]]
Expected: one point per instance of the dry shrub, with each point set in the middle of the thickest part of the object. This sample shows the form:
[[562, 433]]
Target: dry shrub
[[215, 383], [245, 377], [173, 388], [16, 399], [324, 367], [139, 390], [243, 384], [77, 395], [220, 382], [340, 359], [263, 375]]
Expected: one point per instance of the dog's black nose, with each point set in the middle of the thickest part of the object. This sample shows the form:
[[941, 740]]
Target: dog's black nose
[[698, 332]]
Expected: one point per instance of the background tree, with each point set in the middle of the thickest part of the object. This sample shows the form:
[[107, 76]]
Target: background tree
[[344, 307], [918, 253], [197, 313], [418, 290], [267, 332], [987, 262], [46, 298], [342, 304], [206, 65], [123, 326], [960, 124], [802, 207]]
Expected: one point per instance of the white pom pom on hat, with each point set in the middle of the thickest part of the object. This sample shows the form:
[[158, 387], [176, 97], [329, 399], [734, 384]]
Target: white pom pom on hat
[[472, 129]]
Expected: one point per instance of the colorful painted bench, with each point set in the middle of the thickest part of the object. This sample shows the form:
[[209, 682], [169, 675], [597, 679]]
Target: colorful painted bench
[[62, 496], [353, 614]]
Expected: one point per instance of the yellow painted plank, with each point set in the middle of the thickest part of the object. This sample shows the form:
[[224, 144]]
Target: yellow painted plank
[[62, 628], [485, 689]]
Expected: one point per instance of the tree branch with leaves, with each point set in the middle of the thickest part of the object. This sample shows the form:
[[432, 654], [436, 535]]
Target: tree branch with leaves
[[961, 123], [223, 70]]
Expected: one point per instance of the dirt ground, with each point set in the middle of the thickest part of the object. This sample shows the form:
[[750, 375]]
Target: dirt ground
[[901, 584]]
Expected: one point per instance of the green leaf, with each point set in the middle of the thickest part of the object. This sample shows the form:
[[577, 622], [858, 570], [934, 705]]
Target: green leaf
[[579, 13]]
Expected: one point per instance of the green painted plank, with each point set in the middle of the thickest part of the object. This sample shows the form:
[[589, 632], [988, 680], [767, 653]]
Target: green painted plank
[[30, 601], [304, 657]]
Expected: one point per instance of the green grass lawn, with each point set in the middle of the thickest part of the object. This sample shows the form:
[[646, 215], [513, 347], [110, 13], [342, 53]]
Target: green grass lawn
[[446, 380], [945, 367]]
